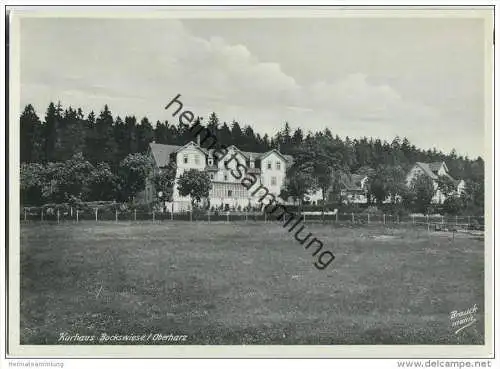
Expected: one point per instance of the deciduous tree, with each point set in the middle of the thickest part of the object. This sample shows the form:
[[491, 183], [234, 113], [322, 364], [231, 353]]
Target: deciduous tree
[[195, 184], [133, 172]]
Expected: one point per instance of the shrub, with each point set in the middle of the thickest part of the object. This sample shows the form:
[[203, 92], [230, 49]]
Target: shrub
[[373, 210]]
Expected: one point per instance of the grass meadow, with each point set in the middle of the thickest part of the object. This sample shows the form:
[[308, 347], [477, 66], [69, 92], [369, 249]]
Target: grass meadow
[[248, 283]]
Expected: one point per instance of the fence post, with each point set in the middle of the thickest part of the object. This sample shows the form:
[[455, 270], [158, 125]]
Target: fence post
[[427, 220], [227, 216], [153, 216], [246, 215], [57, 216], [337, 216], [413, 218], [25, 215], [265, 217], [41, 213], [368, 218], [442, 219], [352, 217], [95, 211], [456, 219], [116, 215], [208, 213], [468, 220], [397, 219], [304, 218], [191, 215], [135, 215], [383, 217], [77, 211]]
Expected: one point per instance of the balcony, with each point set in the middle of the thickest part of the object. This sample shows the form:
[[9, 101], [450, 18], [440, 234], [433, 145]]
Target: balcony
[[212, 168]]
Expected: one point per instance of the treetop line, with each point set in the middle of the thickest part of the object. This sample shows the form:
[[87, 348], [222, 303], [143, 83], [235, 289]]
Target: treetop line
[[66, 131]]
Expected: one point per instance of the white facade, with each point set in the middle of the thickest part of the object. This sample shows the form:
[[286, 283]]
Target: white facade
[[187, 158], [434, 171], [273, 169], [268, 169]]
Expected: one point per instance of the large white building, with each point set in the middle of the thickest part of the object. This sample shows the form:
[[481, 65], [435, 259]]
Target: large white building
[[269, 168]]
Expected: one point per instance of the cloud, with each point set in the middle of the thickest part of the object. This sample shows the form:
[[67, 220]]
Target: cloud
[[136, 66]]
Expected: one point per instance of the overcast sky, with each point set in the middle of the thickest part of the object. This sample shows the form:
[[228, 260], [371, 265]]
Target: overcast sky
[[419, 78]]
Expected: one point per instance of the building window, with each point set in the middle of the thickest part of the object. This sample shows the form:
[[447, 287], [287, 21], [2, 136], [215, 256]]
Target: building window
[[185, 159], [273, 181], [211, 176], [278, 165], [210, 161], [229, 193], [197, 159], [225, 177], [269, 165]]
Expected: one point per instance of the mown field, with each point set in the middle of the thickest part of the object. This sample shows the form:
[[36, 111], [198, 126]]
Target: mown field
[[248, 283]]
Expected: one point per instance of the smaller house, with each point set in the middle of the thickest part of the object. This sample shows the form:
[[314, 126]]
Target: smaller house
[[434, 170], [353, 190]]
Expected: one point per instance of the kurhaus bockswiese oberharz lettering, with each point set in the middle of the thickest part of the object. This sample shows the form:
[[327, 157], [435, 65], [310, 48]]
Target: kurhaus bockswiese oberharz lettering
[[227, 191]]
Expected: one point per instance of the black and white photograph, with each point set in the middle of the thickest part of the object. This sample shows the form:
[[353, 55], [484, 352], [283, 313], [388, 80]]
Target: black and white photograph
[[274, 179]]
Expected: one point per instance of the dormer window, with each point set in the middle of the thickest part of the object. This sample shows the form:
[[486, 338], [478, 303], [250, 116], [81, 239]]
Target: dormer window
[[278, 165], [185, 159], [269, 165], [210, 161]]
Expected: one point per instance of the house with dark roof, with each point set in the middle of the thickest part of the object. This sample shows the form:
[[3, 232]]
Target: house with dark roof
[[269, 168], [433, 171], [353, 190]]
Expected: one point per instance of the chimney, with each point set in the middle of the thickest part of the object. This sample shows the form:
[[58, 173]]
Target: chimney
[[252, 162], [198, 139]]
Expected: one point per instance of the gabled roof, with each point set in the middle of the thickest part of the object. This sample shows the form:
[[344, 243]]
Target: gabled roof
[[353, 182], [435, 166], [431, 169], [427, 169], [263, 155], [193, 144], [161, 153], [260, 155], [249, 154]]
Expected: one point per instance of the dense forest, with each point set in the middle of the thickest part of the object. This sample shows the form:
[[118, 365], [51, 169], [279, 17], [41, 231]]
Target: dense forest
[[105, 138], [104, 143]]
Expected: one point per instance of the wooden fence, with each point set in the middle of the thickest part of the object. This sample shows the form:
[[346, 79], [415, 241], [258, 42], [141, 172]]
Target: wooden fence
[[98, 215]]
